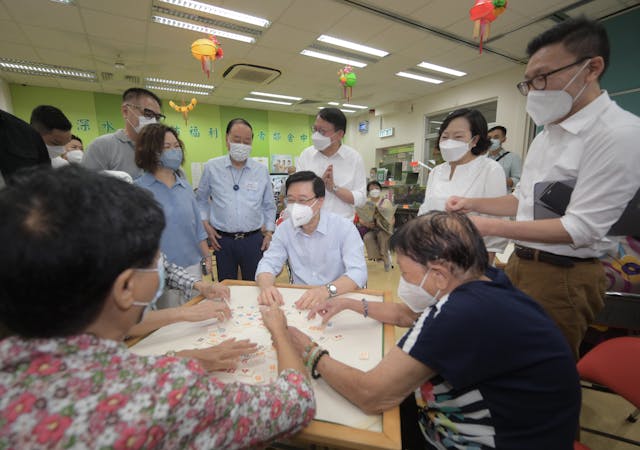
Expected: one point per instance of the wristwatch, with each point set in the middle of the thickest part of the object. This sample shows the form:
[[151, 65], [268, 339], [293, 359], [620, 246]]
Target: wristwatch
[[333, 291], [335, 187]]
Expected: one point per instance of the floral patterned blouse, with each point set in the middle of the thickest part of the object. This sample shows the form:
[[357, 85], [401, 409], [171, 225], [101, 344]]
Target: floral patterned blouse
[[83, 392]]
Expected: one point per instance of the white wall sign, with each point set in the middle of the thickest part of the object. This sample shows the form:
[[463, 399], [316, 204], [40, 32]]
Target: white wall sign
[[386, 132]]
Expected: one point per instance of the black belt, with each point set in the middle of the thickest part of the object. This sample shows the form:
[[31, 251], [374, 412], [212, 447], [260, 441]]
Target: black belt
[[239, 235], [533, 254]]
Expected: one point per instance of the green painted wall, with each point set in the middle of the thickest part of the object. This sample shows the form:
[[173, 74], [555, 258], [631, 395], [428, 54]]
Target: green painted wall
[[624, 65], [93, 114]]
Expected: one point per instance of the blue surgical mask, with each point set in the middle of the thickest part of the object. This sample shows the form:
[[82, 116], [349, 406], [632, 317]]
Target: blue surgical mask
[[495, 144], [172, 158], [151, 304]]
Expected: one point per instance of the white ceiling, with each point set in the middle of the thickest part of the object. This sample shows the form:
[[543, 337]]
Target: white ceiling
[[90, 34]]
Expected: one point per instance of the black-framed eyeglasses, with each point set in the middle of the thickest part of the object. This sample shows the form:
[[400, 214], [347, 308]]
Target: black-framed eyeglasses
[[539, 82], [291, 201], [149, 114]]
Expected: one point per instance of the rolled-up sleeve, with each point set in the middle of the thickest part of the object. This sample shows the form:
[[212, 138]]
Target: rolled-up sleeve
[[353, 256], [275, 256]]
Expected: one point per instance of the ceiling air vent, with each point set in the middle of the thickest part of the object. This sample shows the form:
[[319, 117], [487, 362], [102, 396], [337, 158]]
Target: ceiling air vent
[[106, 76], [133, 79], [250, 73]]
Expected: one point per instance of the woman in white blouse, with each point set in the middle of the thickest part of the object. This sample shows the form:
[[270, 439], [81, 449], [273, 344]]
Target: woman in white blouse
[[466, 171]]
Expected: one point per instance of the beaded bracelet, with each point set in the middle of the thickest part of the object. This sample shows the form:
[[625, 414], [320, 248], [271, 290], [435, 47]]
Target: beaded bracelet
[[312, 356], [314, 372]]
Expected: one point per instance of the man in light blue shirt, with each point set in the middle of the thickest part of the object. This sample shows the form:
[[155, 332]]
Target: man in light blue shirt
[[510, 162], [323, 249], [236, 201]]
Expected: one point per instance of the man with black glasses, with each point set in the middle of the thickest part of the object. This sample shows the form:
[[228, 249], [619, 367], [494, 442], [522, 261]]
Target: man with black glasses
[[322, 249], [579, 175], [116, 151]]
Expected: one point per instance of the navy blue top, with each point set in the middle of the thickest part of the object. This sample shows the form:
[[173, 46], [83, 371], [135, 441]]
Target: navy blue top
[[506, 377]]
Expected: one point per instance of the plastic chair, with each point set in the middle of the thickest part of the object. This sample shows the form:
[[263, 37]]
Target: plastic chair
[[614, 366]]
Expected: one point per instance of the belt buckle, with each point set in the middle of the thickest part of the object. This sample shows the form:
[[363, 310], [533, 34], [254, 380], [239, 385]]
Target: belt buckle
[[238, 236]]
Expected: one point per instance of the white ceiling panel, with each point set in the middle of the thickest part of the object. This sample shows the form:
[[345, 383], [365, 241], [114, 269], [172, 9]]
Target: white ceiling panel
[[45, 14]]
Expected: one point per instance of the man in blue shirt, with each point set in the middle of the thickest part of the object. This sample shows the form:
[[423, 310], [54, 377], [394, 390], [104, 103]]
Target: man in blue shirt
[[510, 162], [323, 249], [236, 201]]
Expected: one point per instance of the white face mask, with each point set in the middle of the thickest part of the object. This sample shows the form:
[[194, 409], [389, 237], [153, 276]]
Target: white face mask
[[75, 156], [374, 193], [300, 214], [238, 151], [495, 144], [320, 142], [452, 150], [547, 106], [414, 296], [142, 122], [55, 150]]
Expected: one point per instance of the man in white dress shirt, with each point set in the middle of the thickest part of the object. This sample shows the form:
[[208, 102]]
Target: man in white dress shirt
[[587, 139], [323, 249], [340, 166]]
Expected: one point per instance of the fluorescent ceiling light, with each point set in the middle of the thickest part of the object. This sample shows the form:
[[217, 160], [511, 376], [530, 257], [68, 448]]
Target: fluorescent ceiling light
[[413, 76], [180, 83], [64, 2], [202, 29], [48, 70], [347, 110], [264, 100], [217, 11], [284, 97], [333, 58], [333, 103], [353, 46], [176, 89], [348, 105], [437, 68]]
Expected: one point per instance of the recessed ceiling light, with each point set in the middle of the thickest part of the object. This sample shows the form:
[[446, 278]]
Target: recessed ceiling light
[[284, 97], [333, 58], [264, 100], [217, 11], [353, 46], [347, 110], [180, 83], [348, 105], [202, 29], [176, 89], [333, 103], [63, 2], [413, 76], [48, 70], [442, 69]]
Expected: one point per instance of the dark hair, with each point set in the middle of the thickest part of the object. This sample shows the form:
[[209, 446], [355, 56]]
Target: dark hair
[[134, 93], [477, 124], [45, 118], [232, 122], [335, 117], [66, 236], [73, 136], [499, 128], [150, 145], [373, 183], [306, 175], [440, 236], [582, 37]]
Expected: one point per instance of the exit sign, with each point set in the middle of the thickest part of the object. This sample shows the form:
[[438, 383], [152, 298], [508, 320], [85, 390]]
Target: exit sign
[[386, 132]]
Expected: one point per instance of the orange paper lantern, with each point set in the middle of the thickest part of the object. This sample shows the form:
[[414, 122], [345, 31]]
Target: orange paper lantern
[[483, 12], [207, 51]]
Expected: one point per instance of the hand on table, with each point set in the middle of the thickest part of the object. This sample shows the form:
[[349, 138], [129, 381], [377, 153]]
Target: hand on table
[[206, 309], [328, 308], [274, 319], [311, 297], [224, 355], [213, 290], [270, 295]]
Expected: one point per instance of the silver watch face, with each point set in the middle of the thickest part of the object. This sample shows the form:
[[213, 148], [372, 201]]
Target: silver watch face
[[333, 291]]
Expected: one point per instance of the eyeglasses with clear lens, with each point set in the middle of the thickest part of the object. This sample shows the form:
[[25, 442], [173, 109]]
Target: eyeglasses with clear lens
[[149, 114], [539, 82]]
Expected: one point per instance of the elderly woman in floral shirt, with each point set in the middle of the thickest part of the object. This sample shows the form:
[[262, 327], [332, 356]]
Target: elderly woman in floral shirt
[[78, 267]]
